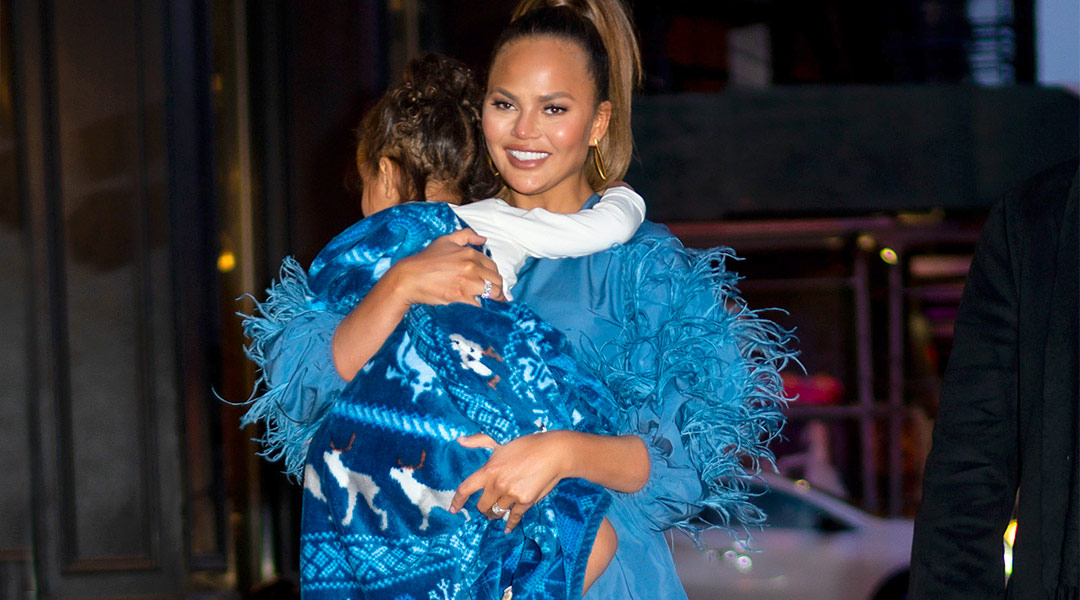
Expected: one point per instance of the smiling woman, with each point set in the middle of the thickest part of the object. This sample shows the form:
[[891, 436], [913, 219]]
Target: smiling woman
[[540, 118], [694, 372], [434, 370], [687, 390]]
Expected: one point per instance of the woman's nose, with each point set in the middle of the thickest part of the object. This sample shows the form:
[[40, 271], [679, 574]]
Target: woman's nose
[[527, 126]]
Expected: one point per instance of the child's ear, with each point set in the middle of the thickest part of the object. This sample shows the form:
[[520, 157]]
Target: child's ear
[[388, 180]]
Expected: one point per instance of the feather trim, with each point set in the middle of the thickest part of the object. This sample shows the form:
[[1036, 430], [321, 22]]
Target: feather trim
[[687, 331], [339, 278], [286, 436]]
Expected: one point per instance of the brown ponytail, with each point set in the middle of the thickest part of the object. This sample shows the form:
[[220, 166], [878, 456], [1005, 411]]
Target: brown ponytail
[[621, 69]]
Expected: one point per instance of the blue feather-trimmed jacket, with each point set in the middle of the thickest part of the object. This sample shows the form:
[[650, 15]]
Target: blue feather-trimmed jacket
[[694, 373]]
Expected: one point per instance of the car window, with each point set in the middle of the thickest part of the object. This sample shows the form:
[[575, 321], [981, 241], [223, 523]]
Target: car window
[[786, 511]]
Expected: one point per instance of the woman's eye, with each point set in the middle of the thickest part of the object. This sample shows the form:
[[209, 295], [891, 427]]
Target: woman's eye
[[555, 110], [502, 104]]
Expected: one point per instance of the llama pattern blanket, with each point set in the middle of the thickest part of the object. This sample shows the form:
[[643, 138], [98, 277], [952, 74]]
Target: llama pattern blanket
[[383, 466]]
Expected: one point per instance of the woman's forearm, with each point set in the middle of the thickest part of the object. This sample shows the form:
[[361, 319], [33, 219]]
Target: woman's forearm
[[619, 463], [521, 472]]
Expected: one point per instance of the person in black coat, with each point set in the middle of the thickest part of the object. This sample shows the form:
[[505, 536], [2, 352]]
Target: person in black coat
[[1006, 433]]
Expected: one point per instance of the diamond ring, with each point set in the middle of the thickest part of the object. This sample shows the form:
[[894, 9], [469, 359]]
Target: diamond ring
[[487, 290], [497, 510]]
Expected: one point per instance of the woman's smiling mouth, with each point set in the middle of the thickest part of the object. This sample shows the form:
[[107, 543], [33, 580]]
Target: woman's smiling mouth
[[523, 156]]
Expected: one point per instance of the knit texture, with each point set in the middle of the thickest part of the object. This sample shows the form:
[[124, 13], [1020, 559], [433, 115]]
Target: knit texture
[[383, 464]]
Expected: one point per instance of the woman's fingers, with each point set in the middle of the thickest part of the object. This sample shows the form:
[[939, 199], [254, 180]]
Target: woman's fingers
[[507, 508], [486, 505], [472, 484], [517, 474], [495, 291], [516, 511], [488, 498], [449, 271], [485, 268], [479, 479], [493, 503], [478, 440], [466, 237]]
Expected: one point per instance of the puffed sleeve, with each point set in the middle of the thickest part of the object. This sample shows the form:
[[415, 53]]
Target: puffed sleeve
[[291, 334], [696, 373]]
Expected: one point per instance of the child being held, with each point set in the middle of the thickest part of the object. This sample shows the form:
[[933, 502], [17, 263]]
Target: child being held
[[380, 453]]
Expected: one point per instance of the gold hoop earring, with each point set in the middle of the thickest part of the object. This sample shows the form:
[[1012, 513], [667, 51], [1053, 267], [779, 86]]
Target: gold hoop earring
[[491, 165], [598, 160]]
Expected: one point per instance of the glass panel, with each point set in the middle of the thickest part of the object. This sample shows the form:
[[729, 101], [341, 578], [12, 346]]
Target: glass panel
[[101, 179], [14, 318]]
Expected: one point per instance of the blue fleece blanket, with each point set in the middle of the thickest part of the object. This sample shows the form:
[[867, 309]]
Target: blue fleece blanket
[[383, 467]]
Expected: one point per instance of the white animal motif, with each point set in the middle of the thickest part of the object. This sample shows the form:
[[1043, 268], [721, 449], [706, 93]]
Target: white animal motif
[[424, 497], [413, 370], [355, 484], [470, 352], [312, 483]]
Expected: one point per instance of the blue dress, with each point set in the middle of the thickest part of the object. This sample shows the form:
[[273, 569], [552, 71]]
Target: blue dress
[[693, 371], [667, 361]]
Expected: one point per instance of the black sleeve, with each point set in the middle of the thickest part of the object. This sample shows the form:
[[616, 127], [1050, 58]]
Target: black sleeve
[[970, 482]]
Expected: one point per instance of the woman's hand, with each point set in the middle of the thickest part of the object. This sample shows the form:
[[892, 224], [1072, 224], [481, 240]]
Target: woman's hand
[[517, 475], [521, 472], [444, 272], [447, 271]]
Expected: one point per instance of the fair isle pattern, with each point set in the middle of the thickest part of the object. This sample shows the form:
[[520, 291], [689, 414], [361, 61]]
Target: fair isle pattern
[[444, 590], [352, 262], [405, 424], [325, 560], [324, 566], [386, 564], [382, 469]]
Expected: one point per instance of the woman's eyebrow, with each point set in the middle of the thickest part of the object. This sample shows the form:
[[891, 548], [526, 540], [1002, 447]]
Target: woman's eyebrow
[[500, 90], [544, 98], [556, 95]]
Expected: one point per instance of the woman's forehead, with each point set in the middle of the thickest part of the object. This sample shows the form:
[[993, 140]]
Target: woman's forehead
[[541, 62]]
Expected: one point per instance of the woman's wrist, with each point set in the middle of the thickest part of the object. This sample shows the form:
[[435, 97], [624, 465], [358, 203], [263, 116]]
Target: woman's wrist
[[620, 463], [393, 287], [570, 446]]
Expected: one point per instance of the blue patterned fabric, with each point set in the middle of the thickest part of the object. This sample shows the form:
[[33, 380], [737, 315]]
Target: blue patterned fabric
[[694, 370], [382, 468]]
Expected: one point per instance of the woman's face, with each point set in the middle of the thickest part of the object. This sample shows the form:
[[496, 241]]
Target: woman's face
[[540, 116]]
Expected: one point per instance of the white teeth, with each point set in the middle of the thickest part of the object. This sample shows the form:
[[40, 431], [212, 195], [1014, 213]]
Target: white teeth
[[518, 154]]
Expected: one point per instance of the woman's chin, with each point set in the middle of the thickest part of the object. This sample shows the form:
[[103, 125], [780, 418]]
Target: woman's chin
[[526, 186], [534, 185]]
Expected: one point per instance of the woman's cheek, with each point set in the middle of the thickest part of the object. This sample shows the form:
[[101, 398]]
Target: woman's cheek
[[490, 124], [569, 134]]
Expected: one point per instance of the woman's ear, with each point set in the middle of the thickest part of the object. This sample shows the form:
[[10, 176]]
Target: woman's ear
[[601, 121], [388, 180]]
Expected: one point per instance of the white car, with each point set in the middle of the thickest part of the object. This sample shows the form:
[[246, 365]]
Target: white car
[[815, 547]]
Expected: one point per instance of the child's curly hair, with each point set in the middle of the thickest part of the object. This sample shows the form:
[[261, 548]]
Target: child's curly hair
[[429, 125]]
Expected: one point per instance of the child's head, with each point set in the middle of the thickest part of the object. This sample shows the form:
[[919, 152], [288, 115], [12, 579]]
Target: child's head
[[422, 140]]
